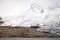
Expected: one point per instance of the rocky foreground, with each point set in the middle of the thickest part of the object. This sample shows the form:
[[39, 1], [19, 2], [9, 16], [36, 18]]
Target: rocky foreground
[[24, 32]]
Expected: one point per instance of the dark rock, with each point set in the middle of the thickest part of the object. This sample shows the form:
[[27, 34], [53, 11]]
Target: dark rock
[[0, 18], [35, 27], [1, 22], [45, 32]]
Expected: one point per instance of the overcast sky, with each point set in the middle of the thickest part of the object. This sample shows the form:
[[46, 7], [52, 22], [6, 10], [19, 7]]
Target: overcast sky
[[16, 7], [13, 7]]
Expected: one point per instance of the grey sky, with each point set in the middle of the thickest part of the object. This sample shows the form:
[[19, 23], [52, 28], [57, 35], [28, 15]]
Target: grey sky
[[15, 7]]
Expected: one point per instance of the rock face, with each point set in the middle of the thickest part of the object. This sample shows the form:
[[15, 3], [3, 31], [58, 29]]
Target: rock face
[[1, 22], [0, 18]]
